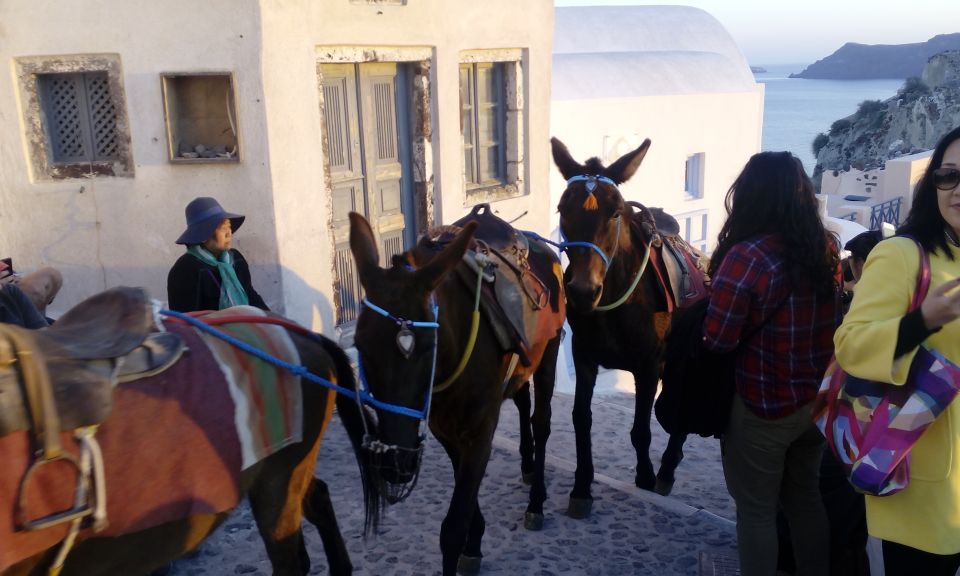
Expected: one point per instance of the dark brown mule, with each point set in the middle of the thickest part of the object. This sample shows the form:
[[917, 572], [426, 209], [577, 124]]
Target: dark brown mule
[[281, 488], [462, 416], [629, 338]]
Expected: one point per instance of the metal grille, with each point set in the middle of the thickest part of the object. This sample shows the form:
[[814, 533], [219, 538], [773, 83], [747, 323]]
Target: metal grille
[[888, 211], [334, 110], [103, 117], [64, 109], [349, 292], [386, 129], [80, 116], [392, 245]]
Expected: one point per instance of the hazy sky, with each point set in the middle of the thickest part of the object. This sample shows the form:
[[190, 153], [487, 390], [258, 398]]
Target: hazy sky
[[801, 32]]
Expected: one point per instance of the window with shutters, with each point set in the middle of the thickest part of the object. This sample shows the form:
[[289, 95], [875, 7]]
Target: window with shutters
[[75, 116], [693, 177], [491, 116]]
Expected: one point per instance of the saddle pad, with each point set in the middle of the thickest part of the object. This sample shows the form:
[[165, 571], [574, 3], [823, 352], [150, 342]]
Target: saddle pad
[[170, 450], [268, 400]]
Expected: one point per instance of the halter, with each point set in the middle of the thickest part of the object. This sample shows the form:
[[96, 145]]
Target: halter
[[369, 441]]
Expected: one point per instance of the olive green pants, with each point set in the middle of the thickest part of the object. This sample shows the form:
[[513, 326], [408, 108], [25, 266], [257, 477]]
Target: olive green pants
[[771, 462]]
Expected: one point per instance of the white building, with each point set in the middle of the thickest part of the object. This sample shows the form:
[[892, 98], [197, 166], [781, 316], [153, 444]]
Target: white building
[[119, 112], [872, 197], [669, 73]]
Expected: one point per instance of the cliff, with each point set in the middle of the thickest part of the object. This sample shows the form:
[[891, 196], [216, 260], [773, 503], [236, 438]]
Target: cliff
[[923, 110], [862, 61]]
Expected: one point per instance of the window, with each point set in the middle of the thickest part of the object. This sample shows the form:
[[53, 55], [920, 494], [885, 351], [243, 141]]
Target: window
[[201, 118], [693, 177], [491, 124], [74, 116], [693, 227], [79, 117], [482, 119]]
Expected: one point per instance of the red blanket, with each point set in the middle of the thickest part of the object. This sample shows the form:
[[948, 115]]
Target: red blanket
[[170, 449]]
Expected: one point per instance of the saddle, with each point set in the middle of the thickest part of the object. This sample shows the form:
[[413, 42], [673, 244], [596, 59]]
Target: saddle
[[61, 378], [511, 302], [681, 269]]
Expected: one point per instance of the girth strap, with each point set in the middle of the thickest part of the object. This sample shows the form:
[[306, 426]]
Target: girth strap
[[37, 390]]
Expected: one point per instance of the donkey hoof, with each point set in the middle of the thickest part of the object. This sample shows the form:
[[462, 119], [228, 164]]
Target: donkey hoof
[[663, 487], [533, 521], [579, 508], [528, 478], [469, 565]]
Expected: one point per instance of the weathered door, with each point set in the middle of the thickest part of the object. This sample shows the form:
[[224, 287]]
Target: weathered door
[[365, 114]]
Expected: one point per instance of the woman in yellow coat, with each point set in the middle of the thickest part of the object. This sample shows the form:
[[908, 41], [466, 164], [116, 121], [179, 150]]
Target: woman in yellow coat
[[919, 526]]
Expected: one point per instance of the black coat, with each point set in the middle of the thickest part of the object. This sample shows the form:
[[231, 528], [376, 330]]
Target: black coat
[[193, 285]]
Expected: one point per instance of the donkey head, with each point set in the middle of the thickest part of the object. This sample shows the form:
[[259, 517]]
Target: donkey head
[[397, 356], [592, 211]]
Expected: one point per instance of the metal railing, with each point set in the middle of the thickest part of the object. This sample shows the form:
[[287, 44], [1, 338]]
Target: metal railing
[[888, 211]]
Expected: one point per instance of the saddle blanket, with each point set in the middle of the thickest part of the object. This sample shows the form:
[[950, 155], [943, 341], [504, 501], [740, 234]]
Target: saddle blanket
[[170, 450], [268, 400]]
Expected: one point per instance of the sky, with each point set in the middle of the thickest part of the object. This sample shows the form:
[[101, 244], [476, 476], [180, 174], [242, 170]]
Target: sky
[[802, 32]]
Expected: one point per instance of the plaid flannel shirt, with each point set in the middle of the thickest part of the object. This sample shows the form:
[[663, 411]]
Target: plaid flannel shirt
[[780, 366]]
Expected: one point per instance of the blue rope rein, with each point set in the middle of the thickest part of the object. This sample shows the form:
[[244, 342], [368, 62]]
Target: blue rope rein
[[294, 369]]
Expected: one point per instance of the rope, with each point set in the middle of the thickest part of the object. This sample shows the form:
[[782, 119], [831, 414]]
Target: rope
[[471, 341], [297, 370], [633, 285]]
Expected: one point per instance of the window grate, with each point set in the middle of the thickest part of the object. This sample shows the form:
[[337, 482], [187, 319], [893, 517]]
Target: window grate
[[80, 116]]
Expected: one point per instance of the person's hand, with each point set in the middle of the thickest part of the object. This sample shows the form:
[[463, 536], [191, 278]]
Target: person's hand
[[942, 305]]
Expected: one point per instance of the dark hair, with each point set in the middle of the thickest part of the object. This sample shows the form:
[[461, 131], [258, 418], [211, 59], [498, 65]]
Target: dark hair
[[774, 195], [863, 243], [925, 222]]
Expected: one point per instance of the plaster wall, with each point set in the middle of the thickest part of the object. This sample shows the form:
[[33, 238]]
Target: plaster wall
[[106, 231], [109, 231]]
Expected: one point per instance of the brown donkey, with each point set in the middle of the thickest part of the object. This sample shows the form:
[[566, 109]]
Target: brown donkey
[[606, 247], [411, 335]]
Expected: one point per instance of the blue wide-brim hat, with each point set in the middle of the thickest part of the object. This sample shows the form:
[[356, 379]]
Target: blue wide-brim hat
[[204, 214]]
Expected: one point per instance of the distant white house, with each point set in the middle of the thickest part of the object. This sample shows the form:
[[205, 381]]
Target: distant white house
[[872, 197], [669, 73]]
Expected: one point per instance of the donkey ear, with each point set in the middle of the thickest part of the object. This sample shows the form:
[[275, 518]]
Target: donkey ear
[[565, 163], [363, 245], [625, 166], [448, 258]]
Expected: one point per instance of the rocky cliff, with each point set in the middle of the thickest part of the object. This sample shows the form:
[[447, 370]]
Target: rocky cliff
[[923, 110], [862, 61]]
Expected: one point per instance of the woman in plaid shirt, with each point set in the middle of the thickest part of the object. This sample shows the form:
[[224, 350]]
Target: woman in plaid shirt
[[775, 301]]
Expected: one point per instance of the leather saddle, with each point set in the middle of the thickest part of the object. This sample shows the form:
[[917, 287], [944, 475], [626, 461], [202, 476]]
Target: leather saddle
[[511, 302], [681, 269], [62, 378]]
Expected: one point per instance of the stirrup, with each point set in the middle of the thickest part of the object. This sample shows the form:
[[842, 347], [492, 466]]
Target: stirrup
[[78, 511]]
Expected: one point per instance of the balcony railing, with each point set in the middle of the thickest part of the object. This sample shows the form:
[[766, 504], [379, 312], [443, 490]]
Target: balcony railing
[[888, 211]]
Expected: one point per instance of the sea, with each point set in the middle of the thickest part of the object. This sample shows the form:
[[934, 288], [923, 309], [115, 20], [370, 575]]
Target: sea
[[796, 110]]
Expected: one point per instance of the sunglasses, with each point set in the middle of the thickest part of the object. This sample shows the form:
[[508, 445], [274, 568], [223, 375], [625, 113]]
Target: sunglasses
[[946, 178]]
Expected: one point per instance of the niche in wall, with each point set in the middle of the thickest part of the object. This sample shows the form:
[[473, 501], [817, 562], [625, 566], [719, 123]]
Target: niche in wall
[[201, 117]]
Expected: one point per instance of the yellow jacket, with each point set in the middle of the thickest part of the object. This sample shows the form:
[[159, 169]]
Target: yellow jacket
[[925, 515]]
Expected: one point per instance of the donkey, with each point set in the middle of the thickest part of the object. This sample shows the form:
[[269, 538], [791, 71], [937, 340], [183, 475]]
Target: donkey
[[172, 463], [407, 345], [606, 265]]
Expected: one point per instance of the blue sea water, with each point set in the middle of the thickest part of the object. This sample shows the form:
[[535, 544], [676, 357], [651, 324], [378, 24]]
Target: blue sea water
[[796, 110]]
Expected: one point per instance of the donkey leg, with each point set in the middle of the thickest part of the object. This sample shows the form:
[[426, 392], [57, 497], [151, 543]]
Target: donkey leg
[[472, 555], [645, 381], [543, 381], [671, 458], [318, 509], [469, 470], [522, 401], [580, 498]]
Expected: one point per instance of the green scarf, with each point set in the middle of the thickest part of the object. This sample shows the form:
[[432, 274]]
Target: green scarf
[[231, 291]]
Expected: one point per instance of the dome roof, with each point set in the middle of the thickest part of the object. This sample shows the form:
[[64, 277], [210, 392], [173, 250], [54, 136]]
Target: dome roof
[[625, 51]]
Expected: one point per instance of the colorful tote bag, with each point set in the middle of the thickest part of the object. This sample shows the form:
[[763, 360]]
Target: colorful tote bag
[[871, 426]]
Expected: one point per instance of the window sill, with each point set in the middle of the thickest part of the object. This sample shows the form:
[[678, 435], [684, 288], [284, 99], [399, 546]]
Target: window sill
[[179, 160], [493, 193], [83, 170]]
